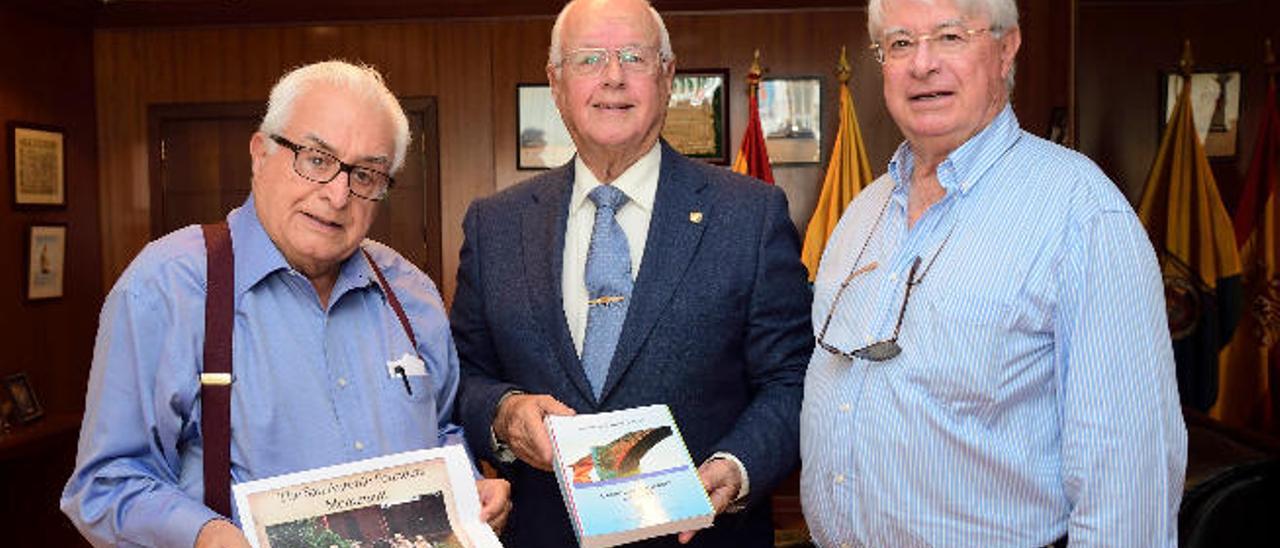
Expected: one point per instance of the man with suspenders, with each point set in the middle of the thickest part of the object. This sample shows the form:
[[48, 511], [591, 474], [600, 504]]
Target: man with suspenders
[[280, 341]]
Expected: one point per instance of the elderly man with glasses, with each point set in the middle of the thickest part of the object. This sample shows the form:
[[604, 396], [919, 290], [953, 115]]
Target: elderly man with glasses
[[629, 276], [993, 365], [338, 348]]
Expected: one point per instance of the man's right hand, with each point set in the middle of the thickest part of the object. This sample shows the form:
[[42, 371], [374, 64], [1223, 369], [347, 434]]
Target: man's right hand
[[220, 533], [519, 424]]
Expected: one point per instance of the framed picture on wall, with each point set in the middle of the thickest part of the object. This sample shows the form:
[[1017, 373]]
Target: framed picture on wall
[[38, 162], [1215, 104], [697, 124], [46, 259], [542, 142], [26, 407], [791, 118]]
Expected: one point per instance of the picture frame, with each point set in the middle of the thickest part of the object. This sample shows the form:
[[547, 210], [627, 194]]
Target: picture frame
[[697, 121], [26, 407], [542, 141], [426, 496], [38, 162], [45, 261], [791, 118], [1215, 96]]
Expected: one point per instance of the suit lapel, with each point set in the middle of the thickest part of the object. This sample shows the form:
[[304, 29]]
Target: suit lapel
[[543, 250], [669, 247]]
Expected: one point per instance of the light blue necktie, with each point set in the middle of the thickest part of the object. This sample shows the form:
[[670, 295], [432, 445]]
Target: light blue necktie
[[608, 277]]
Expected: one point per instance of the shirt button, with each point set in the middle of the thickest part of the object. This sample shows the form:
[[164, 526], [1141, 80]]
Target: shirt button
[[845, 545], [869, 339], [893, 277], [359, 446], [839, 479], [844, 408], [342, 382]]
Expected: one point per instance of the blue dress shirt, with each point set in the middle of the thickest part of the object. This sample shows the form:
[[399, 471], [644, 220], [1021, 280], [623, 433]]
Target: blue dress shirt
[[311, 387], [1035, 393]]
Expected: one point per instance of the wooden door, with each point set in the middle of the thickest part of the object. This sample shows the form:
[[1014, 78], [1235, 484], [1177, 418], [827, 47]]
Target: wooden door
[[200, 170]]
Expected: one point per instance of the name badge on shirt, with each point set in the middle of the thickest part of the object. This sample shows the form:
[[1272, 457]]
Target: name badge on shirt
[[410, 364]]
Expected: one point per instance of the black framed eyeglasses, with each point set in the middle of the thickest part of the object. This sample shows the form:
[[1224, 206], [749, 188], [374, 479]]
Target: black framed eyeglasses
[[881, 350], [321, 167]]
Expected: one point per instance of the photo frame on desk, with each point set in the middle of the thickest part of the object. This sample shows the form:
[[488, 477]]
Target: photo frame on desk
[[542, 141], [38, 161], [26, 407], [46, 261], [697, 122], [1215, 103], [791, 118]]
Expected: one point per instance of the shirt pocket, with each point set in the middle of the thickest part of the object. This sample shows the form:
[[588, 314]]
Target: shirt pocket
[[960, 351], [418, 390]]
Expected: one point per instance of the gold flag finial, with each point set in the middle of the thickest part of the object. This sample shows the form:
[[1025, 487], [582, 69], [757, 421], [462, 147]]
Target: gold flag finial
[[1187, 61], [843, 70], [754, 75]]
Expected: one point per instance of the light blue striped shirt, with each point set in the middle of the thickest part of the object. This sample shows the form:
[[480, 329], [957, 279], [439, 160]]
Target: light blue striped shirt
[[311, 389], [1035, 393]]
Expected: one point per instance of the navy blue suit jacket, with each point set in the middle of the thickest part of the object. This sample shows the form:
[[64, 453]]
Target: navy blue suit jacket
[[718, 329]]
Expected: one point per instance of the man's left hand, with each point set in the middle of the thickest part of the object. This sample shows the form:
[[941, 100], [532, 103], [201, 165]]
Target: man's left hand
[[722, 481], [495, 502]]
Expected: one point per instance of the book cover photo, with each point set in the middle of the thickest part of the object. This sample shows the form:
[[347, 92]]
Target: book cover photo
[[626, 476]]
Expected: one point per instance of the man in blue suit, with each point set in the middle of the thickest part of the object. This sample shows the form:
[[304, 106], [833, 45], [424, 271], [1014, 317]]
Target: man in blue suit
[[550, 316]]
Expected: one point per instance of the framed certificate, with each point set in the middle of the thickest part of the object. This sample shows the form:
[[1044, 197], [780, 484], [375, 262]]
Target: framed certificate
[[418, 498]]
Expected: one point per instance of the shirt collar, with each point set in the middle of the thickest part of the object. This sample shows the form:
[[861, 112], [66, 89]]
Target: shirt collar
[[256, 255], [639, 182], [966, 164]]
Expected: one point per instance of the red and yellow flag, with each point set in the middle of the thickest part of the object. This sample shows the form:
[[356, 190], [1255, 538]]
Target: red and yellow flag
[[753, 157], [1250, 376], [1195, 240], [847, 173]]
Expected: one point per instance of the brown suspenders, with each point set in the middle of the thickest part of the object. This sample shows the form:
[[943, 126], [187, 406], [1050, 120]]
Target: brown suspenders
[[215, 380]]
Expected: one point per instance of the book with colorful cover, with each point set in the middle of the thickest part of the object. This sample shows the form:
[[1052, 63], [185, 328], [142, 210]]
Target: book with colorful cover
[[627, 475]]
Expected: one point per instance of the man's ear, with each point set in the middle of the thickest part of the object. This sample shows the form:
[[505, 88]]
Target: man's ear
[[257, 151], [1010, 41]]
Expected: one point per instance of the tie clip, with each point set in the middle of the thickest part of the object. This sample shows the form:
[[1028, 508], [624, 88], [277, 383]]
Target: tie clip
[[607, 299], [215, 379]]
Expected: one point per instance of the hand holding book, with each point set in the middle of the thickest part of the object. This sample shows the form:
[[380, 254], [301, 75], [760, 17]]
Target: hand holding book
[[722, 482], [519, 423]]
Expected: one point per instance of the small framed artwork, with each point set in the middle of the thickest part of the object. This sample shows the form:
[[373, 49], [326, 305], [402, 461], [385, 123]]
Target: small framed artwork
[[38, 162], [542, 142], [697, 124], [46, 258], [1215, 104], [26, 407], [791, 117]]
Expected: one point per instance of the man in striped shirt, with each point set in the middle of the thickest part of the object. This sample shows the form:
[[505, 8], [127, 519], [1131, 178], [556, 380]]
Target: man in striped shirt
[[993, 364]]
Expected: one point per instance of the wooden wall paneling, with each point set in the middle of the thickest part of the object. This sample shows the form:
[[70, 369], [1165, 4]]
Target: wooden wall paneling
[[520, 57], [464, 78], [1122, 49]]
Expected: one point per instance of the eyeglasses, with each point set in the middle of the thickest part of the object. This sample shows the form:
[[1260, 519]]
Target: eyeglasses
[[947, 40], [592, 61], [889, 348], [321, 167]]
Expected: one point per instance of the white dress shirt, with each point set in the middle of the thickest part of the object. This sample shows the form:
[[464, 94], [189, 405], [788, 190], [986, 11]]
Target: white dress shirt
[[640, 183]]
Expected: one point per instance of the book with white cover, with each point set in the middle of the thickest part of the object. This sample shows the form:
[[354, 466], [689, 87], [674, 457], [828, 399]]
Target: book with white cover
[[425, 497], [627, 475]]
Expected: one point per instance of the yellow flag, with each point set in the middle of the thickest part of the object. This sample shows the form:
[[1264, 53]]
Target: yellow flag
[[1194, 237], [847, 174]]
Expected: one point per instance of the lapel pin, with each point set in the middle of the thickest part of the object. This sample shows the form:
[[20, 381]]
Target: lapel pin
[[695, 217]]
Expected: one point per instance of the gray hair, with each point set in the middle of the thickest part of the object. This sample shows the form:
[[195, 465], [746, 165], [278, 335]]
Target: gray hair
[[363, 80], [1002, 13], [555, 56]]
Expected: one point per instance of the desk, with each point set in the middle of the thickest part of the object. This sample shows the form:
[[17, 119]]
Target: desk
[[35, 461]]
